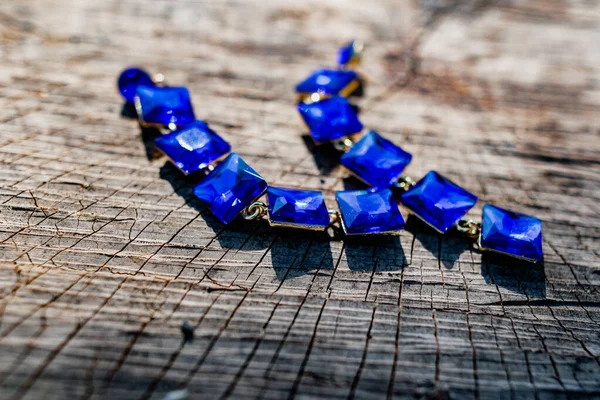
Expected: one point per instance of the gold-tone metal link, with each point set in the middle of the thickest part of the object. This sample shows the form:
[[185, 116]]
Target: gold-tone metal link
[[256, 210], [359, 47], [343, 145], [314, 97], [159, 79], [165, 129], [309, 98], [404, 182], [469, 227], [334, 218], [335, 229]]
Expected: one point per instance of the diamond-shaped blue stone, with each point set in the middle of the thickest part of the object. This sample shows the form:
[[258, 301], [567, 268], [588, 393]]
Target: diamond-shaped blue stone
[[438, 201], [329, 82], [330, 119], [508, 232], [164, 105], [345, 54], [130, 79], [367, 212], [193, 147], [297, 208], [376, 160], [231, 187], [349, 54]]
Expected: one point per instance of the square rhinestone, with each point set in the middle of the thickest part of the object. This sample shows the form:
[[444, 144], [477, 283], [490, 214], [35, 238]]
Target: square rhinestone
[[297, 208], [437, 201], [376, 160], [511, 233], [330, 119], [193, 147], [367, 212], [231, 187], [164, 106]]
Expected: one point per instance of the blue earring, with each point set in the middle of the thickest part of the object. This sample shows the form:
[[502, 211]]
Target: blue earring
[[231, 187]]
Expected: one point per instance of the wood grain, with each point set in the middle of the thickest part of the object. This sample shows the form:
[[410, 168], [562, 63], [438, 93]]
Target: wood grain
[[104, 252]]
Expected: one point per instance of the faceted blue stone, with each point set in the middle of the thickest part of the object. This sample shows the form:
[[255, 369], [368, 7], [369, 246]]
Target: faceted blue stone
[[130, 79], [367, 211], [376, 160], [164, 105], [508, 232], [300, 208], [231, 187], [438, 201], [328, 82], [193, 147], [330, 119], [345, 54]]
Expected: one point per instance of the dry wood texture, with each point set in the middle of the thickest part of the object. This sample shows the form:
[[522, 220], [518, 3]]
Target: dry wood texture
[[105, 253]]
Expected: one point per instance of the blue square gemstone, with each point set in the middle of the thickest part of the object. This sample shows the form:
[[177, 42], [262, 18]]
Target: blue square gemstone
[[376, 160], [164, 106], [438, 202], [330, 119], [511, 233], [329, 82], [231, 187], [193, 147], [297, 208], [368, 212]]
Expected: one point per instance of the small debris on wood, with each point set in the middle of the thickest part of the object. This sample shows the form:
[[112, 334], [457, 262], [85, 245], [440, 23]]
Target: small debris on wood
[[176, 395], [188, 332]]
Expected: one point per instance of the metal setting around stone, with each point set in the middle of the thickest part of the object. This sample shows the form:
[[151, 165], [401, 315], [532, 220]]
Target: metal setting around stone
[[301, 209], [330, 119], [164, 106], [193, 147], [231, 187], [375, 160], [367, 212], [437, 201], [510, 233]]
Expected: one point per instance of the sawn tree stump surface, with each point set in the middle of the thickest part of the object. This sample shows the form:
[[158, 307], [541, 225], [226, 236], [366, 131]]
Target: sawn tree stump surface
[[105, 252]]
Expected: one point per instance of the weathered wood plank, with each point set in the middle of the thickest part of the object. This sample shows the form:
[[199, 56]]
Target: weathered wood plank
[[104, 252]]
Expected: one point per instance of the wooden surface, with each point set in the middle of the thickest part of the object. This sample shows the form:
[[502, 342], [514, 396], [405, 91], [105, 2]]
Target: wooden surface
[[105, 253]]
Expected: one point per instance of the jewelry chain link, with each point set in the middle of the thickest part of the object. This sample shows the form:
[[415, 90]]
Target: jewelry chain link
[[404, 183], [470, 228], [256, 210]]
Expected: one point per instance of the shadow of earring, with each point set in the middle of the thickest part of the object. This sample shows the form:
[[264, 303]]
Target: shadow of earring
[[516, 275]]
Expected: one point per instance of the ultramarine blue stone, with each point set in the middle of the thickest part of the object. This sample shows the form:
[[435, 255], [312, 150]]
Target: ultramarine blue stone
[[345, 54], [511, 233], [130, 79], [367, 211], [376, 160], [329, 82], [164, 105], [193, 147], [330, 119], [438, 201], [231, 187], [302, 208]]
